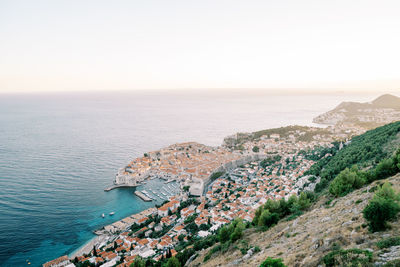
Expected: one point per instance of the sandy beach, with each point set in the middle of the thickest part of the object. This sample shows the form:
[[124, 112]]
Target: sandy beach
[[85, 249]]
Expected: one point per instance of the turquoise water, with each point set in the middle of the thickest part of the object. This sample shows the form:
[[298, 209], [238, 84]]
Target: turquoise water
[[59, 151]]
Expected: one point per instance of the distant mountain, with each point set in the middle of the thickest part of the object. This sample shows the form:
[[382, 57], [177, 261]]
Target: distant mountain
[[382, 110], [387, 101]]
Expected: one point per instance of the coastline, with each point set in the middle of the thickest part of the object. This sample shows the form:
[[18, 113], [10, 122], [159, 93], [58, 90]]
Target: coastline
[[84, 248], [88, 246]]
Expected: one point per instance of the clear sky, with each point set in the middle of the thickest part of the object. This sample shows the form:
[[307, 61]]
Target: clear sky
[[67, 45]]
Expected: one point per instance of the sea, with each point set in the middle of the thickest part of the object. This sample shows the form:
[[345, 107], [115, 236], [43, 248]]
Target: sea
[[58, 151]]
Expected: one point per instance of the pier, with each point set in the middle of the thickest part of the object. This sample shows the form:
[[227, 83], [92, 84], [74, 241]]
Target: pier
[[142, 196], [118, 186]]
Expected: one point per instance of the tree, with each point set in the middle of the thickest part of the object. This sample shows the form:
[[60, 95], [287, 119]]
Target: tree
[[224, 234], [139, 262], [238, 227], [268, 219], [237, 234], [173, 262], [271, 262], [94, 251], [256, 149], [387, 192], [168, 254], [304, 201], [186, 188], [204, 227], [382, 208], [347, 181], [181, 238], [385, 168]]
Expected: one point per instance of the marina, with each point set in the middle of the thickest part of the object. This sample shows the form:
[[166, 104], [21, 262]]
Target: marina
[[143, 196]]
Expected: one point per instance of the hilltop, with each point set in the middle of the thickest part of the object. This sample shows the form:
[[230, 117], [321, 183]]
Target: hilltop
[[382, 110]]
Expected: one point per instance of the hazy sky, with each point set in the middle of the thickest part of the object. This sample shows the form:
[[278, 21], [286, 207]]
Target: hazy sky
[[112, 45]]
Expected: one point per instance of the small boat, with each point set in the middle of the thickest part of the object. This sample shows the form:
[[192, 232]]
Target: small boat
[[112, 213], [102, 215]]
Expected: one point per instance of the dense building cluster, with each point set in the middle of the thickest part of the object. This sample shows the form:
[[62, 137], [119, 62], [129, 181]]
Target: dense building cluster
[[237, 193]]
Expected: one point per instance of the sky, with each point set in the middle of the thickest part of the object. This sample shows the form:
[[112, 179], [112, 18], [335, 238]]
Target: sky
[[126, 45]]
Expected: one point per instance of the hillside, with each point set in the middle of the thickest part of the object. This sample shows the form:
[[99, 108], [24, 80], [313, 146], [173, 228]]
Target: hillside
[[305, 240], [382, 110], [387, 101], [330, 222], [365, 150]]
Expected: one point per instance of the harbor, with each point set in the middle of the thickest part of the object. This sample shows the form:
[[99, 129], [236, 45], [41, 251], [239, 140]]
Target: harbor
[[143, 196]]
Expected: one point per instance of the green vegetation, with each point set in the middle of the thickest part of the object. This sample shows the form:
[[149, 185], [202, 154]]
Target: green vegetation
[[269, 161], [173, 262], [319, 152], [231, 232], [271, 262], [350, 257], [347, 181], [256, 149], [389, 242], [216, 175], [139, 262], [364, 150], [284, 131], [273, 210], [383, 207], [351, 179]]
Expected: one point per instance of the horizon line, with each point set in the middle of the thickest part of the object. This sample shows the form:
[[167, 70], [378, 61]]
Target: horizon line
[[321, 90]]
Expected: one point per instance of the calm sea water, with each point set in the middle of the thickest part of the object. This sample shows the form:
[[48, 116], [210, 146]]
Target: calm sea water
[[59, 151]]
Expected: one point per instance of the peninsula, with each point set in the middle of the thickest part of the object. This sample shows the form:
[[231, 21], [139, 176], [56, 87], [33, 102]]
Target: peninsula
[[384, 109]]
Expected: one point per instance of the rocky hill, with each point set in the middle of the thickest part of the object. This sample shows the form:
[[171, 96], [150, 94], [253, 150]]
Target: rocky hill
[[382, 110], [330, 224]]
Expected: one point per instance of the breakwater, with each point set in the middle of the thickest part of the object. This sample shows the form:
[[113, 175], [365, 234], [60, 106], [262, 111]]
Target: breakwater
[[142, 196]]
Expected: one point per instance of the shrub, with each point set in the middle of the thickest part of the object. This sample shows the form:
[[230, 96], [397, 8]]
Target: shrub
[[304, 201], [268, 219], [224, 234], [382, 208], [350, 257], [238, 232], [271, 262], [173, 262], [385, 168], [389, 242], [212, 251], [347, 181], [394, 263], [273, 210], [139, 262]]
